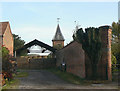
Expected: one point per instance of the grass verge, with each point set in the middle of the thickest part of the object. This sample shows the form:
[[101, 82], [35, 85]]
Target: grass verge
[[67, 76], [22, 74], [13, 84]]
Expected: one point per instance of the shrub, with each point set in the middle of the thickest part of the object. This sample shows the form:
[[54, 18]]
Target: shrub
[[6, 64]]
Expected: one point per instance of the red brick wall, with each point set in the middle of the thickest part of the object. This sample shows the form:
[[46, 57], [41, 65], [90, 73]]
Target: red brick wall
[[104, 65], [74, 59], [35, 63], [8, 40], [78, 62], [58, 42]]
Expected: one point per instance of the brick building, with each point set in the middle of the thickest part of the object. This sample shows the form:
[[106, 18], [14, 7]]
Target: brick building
[[74, 59], [58, 39], [78, 63], [6, 36]]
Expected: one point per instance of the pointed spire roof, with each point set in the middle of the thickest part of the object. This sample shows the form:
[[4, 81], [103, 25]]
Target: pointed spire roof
[[58, 34]]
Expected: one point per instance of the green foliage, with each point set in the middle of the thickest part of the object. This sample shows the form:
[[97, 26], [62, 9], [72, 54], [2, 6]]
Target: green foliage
[[22, 74], [116, 29], [5, 52], [14, 83], [113, 59], [49, 56], [23, 53], [69, 77], [114, 62], [116, 40], [91, 43], [6, 65], [114, 48], [18, 43]]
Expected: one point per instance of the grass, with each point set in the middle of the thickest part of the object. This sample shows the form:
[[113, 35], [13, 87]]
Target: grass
[[67, 76], [22, 74], [75, 79], [13, 84]]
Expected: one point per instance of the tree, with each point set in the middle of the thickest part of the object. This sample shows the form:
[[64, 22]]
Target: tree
[[116, 40], [6, 64], [18, 43], [116, 30], [91, 43]]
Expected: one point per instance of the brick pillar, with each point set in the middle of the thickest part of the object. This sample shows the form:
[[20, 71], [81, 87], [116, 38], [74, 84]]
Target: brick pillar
[[106, 52]]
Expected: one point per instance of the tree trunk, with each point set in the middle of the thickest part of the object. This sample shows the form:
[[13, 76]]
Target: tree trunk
[[94, 71]]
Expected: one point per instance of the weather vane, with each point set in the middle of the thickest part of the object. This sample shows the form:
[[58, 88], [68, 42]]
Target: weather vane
[[77, 25], [58, 20]]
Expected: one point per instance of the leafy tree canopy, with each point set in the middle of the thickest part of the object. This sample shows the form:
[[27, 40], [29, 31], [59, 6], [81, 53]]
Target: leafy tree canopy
[[18, 42], [116, 30], [116, 40]]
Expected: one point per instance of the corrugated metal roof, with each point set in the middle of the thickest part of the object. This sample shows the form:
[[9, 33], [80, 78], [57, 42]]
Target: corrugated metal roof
[[41, 54], [36, 42]]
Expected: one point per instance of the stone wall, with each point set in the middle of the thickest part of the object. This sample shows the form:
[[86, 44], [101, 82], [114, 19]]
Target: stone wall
[[74, 59]]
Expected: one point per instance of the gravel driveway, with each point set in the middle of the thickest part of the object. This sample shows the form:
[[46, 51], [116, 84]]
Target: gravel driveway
[[42, 79]]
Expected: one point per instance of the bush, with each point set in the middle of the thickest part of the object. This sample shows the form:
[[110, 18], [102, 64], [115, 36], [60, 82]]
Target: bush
[[7, 76], [6, 65], [114, 62]]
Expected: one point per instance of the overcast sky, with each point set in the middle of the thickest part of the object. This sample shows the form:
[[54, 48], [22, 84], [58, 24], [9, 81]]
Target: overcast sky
[[38, 20]]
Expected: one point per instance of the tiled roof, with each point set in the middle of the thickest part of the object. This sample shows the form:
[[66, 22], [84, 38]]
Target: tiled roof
[[58, 34], [3, 26]]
